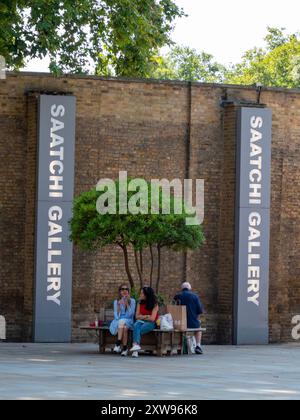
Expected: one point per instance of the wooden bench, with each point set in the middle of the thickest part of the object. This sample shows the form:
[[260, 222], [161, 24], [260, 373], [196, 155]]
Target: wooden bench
[[156, 342]]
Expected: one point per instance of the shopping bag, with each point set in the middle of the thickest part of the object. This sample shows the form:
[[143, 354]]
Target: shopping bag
[[178, 313], [191, 344], [166, 322]]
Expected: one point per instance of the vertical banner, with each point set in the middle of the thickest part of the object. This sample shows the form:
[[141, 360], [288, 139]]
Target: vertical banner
[[53, 254], [251, 287]]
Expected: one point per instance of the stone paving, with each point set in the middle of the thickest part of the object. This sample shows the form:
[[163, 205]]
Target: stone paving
[[77, 371]]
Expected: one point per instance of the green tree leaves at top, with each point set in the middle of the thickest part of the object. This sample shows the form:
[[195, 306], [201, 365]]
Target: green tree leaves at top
[[124, 37], [278, 64], [184, 63], [118, 37]]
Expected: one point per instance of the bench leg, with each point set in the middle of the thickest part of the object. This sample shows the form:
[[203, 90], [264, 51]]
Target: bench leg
[[172, 343], [159, 350], [130, 339], [183, 337], [101, 342]]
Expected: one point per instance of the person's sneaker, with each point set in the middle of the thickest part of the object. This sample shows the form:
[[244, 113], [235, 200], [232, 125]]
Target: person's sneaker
[[135, 348], [117, 349], [124, 353], [198, 350], [135, 354]]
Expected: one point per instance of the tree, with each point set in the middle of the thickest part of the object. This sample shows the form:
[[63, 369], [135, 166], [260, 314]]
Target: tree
[[9, 21], [184, 63], [137, 232], [118, 37], [278, 64]]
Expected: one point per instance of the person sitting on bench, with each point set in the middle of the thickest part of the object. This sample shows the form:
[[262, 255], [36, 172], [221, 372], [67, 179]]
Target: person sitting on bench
[[124, 311], [146, 316], [194, 309]]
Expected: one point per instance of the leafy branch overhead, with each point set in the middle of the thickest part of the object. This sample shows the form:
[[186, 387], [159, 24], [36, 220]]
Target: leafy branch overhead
[[125, 38], [117, 36]]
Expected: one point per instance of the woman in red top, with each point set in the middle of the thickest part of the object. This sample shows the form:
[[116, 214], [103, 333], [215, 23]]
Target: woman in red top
[[146, 317]]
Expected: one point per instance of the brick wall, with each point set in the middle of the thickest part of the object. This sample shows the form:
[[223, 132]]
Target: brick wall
[[151, 129]]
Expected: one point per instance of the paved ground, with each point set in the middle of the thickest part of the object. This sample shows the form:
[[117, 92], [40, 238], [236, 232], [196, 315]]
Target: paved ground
[[76, 371]]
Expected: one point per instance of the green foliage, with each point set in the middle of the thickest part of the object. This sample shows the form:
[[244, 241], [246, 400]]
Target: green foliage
[[276, 65], [123, 38], [11, 41], [135, 294], [119, 37], [91, 230], [184, 63], [276, 38], [161, 299]]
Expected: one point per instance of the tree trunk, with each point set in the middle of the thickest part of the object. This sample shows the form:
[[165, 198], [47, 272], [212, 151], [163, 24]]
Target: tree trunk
[[158, 267], [127, 268], [152, 266], [138, 268], [141, 264]]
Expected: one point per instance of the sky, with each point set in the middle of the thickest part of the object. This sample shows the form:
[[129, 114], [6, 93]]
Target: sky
[[225, 28]]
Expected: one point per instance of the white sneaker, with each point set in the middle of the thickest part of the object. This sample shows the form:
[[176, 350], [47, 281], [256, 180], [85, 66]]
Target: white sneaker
[[135, 354], [136, 348], [124, 353], [117, 349]]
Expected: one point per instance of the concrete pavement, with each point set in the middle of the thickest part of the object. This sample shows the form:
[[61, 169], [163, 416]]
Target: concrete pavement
[[77, 371]]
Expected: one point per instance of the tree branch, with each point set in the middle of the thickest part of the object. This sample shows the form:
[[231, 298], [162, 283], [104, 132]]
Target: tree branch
[[127, 268], [138, 268], [158, 267], [152, 265]]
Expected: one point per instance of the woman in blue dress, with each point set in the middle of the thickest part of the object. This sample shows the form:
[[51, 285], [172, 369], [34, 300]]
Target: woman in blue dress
[[124, 312]]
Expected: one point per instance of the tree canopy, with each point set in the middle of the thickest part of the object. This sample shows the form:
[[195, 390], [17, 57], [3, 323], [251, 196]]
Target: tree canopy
[[125, 37], [118, 37], [185, 63], [277, 64], [91, 230]]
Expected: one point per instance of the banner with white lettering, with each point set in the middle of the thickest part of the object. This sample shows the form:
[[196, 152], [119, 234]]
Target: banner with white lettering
[[53, 256], [251, 287]]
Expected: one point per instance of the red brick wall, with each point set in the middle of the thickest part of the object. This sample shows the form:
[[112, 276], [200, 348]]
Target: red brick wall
[[150, 129]]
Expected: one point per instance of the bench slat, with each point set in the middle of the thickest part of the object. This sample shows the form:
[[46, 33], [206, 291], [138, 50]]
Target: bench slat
[[156, 330]]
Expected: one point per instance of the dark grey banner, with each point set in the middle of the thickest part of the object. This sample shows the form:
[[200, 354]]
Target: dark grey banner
[[251, 294], [53, 271]]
